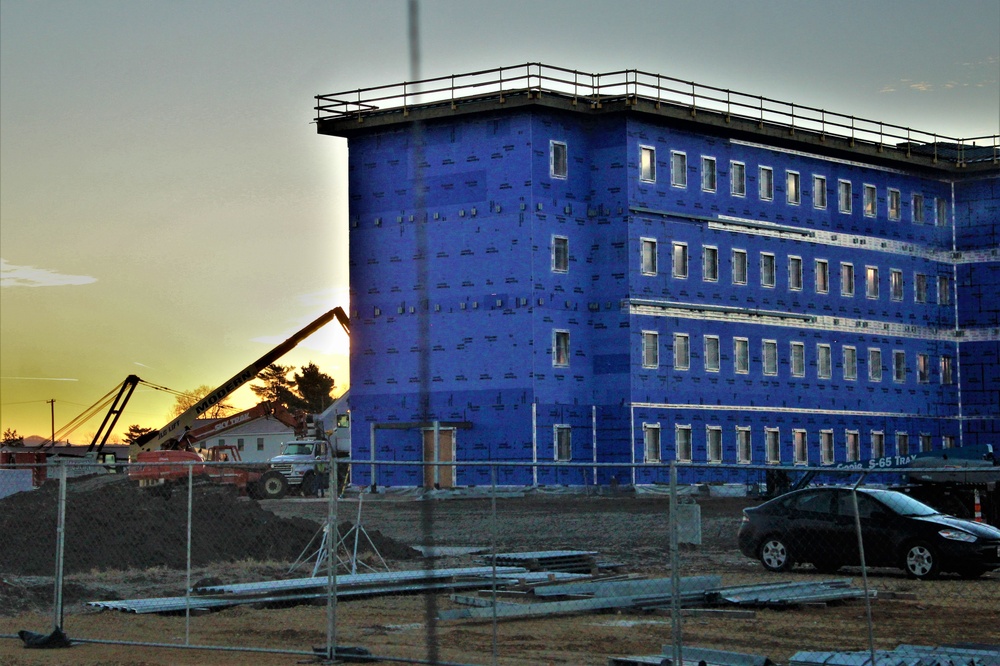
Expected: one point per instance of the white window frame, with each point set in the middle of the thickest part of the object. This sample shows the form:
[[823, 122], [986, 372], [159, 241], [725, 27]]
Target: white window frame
[[678, 169], [772, 445], [870, 206], [947, 370], [650, 349], [765, 183], [562, 449], [917, 208], [895, 204], [877, 444], [794, 273], [652, 453], [648, 259], [826, 444], [800, 446], [874, 364], [713, 444], [768, 270], [683, 448], [741, 356], [709, 174], [560, 254], [824, 361], [871, 282], [944, 290], [798, 358], [821, 273], [709, 263], [744, 445], [902, 443], [560, 348], [558, 168], [847, 279], [923, 369], [819, 192], [844, 196], [737, 185], [737, 278], [713, 353], [682, 355], [940, 211], [679, 269], [852, 445], [647, 164], [925, 442], [919, 287], [850, 353], [947, 441], [899, 366], [793, 188], [769, 357], [896, 284]]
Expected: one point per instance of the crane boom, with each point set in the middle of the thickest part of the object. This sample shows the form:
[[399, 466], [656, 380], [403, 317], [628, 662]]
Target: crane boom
[[169, 435]]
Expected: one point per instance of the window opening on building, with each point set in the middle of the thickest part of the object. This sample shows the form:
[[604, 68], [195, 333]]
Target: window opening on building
[[852, 444], [793, 193], [741, 355], [765, 183], [819, 192], [560, 254], [739, 267], [847, 279], [558, 159], [680, 260], [682, 442], [772, 441], [871, 281], [563, 443], [823, 361], [944, 290], [895, 205], [822, 270], [850, 363], [826, 446], [874, 364], [940, 212], [560, 349], [682, 351], [923, 368], [260, 443], [920, 288], [770, 357], [918, 208], [795, 273], [737, 179], [712, 355], [800, 447], [708, 174], [902, 444], [870, 200], [713, 435], [925, 442], [947, 441], [895, 284], [648, 256], [744, 450], [710, 264], [946, 376], [899, 366], [844, 196], [798, 350], [647, 164], [650, 349], [878, 444], [651, 442], [767, 278], [239, 444], [678, 169]]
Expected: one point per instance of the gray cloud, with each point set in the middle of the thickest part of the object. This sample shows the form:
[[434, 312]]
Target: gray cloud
[[29, 276]]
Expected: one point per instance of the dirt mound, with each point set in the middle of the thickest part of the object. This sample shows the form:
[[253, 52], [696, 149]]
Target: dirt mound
[[388, 548], [112, 524]]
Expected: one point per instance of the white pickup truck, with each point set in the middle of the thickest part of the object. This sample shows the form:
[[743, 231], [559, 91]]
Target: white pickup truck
[[298, 468]]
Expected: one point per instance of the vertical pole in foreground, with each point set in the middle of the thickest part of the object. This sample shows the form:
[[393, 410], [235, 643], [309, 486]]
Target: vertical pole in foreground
[[60, 548], [493, 550], [864, 567], [187, 586], [675, 570], [332, 541]]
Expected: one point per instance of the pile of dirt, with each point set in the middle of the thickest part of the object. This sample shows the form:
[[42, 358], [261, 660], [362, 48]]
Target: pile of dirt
[[113, 524], [388, 548]]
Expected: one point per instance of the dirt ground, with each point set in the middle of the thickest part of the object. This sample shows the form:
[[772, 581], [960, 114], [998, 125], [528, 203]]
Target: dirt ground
[[626, 529]]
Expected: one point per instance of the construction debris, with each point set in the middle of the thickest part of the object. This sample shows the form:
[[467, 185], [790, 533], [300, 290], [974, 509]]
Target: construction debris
[[573, 561], [910, 655], [695, 657]]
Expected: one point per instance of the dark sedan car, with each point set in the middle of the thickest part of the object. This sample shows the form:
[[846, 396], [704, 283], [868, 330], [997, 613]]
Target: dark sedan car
[[817, 526]]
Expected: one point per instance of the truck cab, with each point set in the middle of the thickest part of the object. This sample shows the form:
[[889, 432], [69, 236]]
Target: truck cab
[[300, 462]]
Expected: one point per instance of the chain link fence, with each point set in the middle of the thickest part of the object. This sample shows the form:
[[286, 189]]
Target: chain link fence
[[699, 565]]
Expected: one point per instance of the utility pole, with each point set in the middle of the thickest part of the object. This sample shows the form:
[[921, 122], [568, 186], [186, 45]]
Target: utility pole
[[53, 403]]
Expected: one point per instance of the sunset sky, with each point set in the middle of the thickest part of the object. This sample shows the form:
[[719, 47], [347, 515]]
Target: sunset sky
[[168, 210]]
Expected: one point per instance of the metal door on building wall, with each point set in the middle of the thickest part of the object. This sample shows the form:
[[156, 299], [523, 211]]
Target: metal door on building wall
[[439, 476]]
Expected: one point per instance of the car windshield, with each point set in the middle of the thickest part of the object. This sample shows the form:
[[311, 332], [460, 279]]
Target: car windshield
[[296, 449], [904, 505]]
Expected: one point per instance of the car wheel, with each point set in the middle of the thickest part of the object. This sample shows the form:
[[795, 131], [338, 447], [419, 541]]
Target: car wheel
[[774, 554], [273, 485], [921, 561]]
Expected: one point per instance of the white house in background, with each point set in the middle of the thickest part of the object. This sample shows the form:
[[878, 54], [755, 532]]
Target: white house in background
[[258, 433]]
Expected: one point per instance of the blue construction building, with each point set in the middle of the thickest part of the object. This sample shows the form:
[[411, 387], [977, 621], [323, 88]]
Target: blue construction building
[[548, 266]]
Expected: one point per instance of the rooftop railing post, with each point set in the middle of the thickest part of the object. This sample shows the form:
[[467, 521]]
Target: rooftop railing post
[[694, 100]]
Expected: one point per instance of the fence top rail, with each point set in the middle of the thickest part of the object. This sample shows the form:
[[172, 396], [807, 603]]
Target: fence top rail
[[631, 85]]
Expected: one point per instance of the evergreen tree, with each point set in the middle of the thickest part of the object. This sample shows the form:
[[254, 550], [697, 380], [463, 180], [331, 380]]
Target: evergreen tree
[[314, 388]]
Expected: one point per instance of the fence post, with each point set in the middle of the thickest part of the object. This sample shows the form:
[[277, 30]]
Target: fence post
[[332, 542], [187, 586], [60, 548], [675, 572], [493, 559], [864, 567]]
